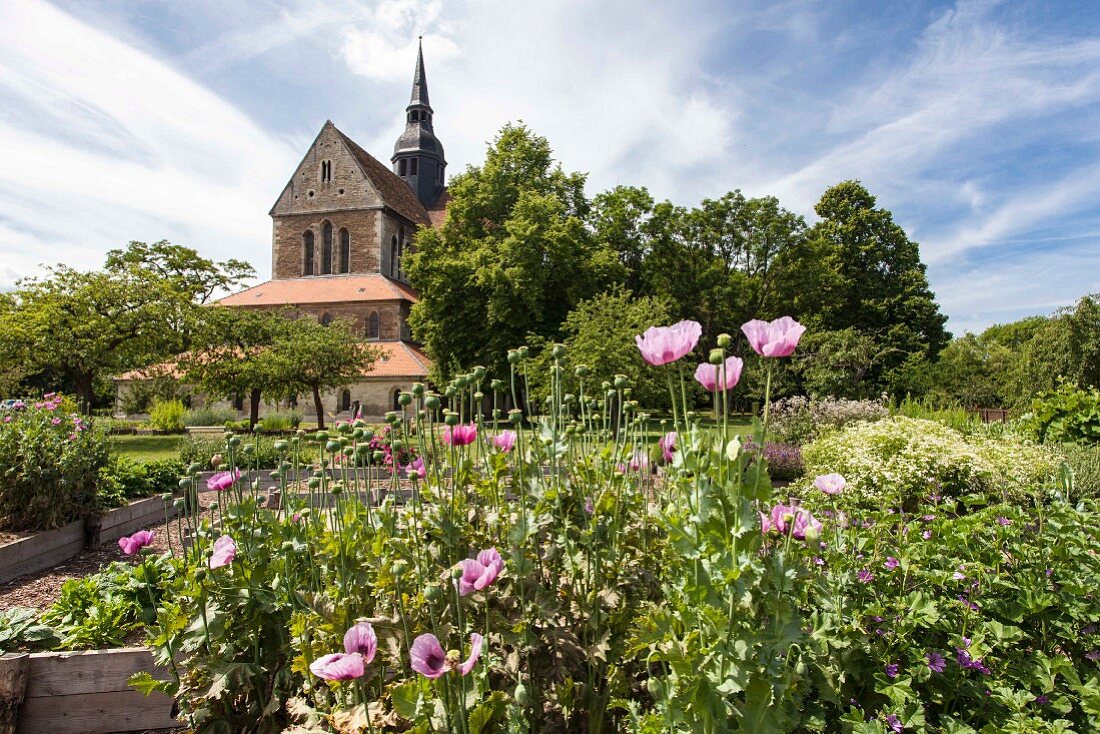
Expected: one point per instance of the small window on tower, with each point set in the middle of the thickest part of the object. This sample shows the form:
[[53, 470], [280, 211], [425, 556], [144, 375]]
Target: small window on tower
[[412, 167], [401, 167]]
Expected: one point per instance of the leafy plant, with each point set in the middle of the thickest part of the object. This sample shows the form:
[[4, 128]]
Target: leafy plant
[[1068, 414], [21, 630], [209, 416], [167, 415]]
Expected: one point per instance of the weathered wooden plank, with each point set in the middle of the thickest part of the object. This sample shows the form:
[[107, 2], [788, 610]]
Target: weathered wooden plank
[[96, 713], [137, 508], [24, 548], [88, 671], [50, 554], [140, 516], [14, 668]]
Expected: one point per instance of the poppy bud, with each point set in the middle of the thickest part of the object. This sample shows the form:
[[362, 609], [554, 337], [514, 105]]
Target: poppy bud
[[521, 696], [656, 688], [431, 402], [724, 340], [215, 461], [321, 436], [235, 441], [558, 351], [418, 389], [716, 356], [200, 574]]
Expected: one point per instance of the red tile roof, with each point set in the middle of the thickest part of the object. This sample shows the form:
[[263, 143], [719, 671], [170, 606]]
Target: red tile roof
[[322, 289], [396, 194], [438, 211], [400, 359]]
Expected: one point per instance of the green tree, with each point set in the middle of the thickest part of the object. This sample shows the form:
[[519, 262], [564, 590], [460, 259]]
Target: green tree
[[188, 271], [871, 279], [306, 357], [834, 363], [513, 257]]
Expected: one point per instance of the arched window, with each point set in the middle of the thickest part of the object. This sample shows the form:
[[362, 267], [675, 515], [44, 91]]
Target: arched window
[[345, 251], [307, 253], [326, 249], [345, 401], [401, 166], [372, 325], [326, 319], [393, 257], [396, 401]]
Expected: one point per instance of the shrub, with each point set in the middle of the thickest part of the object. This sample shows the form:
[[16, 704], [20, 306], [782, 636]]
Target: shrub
[[167, 415], [1067, 415], [49, 464], [209, 416], [123, 478], [1084, 464], [784, 460], [280, 421], [897, 461], [798, 419]]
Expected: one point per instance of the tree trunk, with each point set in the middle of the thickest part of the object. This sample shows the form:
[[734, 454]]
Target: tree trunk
[[253, 408], [85, 392], [317, 406]]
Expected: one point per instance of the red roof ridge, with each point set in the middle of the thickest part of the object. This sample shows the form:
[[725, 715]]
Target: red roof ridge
[[395, 192]]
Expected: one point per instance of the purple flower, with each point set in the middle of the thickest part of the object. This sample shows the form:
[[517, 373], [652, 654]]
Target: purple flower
[[1003, 521], [936, 662], [477, 573], [667, 443], [831, 483], [225, 550], [460, 435], [893, 723], [431, 661], [360, 638], [715, 377], [776, 338], [927, 535], [135, 542], [865, 576], [588, 506], [1093, 655], [338, 666], [892, 670], [1041, 699], [891, 563], [223, 480], [663, 344], [973, 607]]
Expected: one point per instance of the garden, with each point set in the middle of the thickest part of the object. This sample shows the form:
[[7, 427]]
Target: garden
[[585, 563]]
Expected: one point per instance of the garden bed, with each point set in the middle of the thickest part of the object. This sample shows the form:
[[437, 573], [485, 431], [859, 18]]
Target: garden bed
[[83, 692], [47, 549]]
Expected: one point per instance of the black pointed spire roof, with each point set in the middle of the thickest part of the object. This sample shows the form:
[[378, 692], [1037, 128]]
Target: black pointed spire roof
[[419, 97]]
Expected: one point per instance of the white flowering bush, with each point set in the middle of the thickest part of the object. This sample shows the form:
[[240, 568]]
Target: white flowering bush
[[898, 461], [799, 418]]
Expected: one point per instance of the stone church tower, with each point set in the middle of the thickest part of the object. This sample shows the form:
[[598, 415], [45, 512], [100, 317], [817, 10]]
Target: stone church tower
[[341, 229]]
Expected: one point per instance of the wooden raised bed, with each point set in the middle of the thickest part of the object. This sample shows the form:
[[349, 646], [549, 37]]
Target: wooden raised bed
[[49, 548], [81, 692]]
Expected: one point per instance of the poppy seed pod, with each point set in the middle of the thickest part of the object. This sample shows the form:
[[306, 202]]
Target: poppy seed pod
[[404, 399], [337, 490], [479, 395], [235, 441], [621, 382], [433, 593], [378, 457], [515, 415], [513, 356], [194, 467], [216, 460], [451, 419], [321, 436], [399, 568], [581, 370], [227, 435], [357, 434], [313, 483], [332, 446], [397, 444], [281, 446], [179, 504], [431, 402], [716, 356], [418, 389], [524, 352], [185, 483], [362, 450], [479, 373], [368, 434], [558, 351], [450, 392], [724, 340], [249, 450], [496, 384]]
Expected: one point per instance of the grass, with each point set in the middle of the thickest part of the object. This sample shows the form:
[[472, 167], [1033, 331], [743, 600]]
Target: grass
[[146, 448]]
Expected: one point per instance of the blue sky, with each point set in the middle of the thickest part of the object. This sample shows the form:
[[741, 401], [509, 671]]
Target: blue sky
[[976, 123]]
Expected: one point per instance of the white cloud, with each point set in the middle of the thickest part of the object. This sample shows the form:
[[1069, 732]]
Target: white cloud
[[113, 144]]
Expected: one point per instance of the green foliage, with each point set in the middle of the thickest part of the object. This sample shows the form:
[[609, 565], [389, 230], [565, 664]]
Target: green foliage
[[1083, 462], [207, 416], [599, 334], [167, 415], [274, 420], [952, 416], [1066, 415], [836, 363], [262, 454], [123, 478], [513, 257], [140, 395], [49, 464], [21, 631], [103, 609], [897, 462]]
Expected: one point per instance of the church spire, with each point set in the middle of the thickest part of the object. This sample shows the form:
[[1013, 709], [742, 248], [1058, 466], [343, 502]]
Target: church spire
[[420, 81], [418, 154]]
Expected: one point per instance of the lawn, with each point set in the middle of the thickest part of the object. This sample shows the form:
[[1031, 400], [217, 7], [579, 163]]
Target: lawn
[[146, 448]]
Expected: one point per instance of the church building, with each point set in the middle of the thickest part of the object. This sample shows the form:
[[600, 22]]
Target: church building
[[341, 229]]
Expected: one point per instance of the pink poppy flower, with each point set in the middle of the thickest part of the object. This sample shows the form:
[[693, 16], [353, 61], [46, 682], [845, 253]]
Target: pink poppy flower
[[773, 338], [806, 525], [667, 443], [55, 421], [360, 639], [461, 435], [416, 468], [225, 550], [477, 573], [663, 344], [505, 440], [223, 480], [338, 666], [831, 483], [135, 542], [719, 377], [431, 661], [638, 462]]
